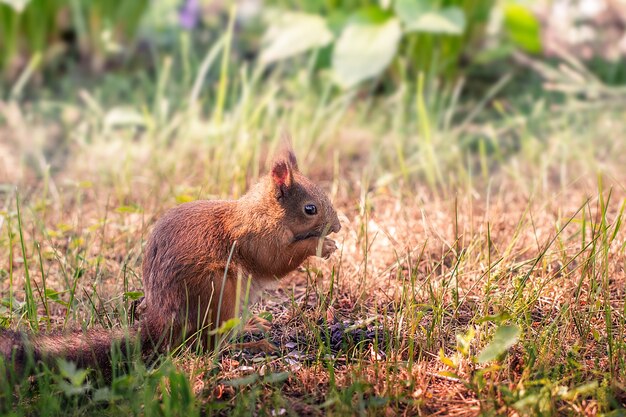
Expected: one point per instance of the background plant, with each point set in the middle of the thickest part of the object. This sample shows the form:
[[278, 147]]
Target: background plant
[[47, 28], [360, 40]]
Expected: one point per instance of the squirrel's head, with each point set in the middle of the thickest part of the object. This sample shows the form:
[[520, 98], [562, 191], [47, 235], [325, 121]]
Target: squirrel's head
[[307, 210]]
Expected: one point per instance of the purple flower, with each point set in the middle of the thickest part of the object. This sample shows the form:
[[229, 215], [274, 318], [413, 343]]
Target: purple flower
[[189, 14]]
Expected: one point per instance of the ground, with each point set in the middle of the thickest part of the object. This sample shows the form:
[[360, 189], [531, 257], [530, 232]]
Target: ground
[[448, 233]]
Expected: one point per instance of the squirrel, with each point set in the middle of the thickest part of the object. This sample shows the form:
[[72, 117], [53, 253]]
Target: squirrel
[[193, 266]]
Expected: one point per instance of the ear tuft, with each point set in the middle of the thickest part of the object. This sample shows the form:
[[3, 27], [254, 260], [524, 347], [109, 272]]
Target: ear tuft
[[287, 152]]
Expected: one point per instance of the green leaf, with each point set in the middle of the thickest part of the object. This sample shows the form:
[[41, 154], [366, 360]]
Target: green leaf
[[620, 412], [580, 391], [129, 209], [530, 401], [227, 326], [123, 117], [503, 339], [495, 318], [523, 28], [445, 360], [133, 295], [70, 371], [266, 315], [276, 377], [292, 33], [54, 296], [463, 341], [184, 198], [422, 17], [365, 48], [71, 390], [246, 380], [102, 395], [17, 5], [449, 374]]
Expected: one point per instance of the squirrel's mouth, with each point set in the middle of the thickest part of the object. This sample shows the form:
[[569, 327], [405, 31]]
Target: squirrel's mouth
[[324, 231], [307, 235]]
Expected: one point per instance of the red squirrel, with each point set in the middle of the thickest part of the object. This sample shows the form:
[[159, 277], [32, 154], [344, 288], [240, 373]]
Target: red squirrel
[[193, 260]]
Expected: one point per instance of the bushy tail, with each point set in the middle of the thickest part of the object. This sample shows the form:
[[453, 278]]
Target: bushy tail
[[94, 348]]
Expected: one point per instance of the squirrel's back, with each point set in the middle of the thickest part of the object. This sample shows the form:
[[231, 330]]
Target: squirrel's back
[[187, 251], [188, 240]]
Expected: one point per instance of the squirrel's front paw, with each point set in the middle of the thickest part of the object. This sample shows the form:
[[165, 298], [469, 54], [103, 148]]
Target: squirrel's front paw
[[328, 247]]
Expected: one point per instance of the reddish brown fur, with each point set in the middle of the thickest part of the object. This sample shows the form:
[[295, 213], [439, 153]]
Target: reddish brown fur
[[199, 247], [189, 255], [88, 349]]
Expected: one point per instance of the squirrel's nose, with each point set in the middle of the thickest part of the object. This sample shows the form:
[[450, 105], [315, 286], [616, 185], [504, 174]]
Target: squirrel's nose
[[336, 226]]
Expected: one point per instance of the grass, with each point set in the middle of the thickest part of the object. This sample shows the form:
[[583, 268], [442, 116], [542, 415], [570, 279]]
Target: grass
[[459, 217]]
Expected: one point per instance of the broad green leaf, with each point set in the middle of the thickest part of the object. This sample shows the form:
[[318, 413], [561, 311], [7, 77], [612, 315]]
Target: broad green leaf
[[370, 15], [17, 5], [384, 4], [364, 50], [422, 17], [503, 339], [410, 10], [522, 27], [70, 371], [292, 33]]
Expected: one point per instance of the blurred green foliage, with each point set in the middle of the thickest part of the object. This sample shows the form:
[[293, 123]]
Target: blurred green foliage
[[362, 39], [389, 42], [522, 27], [45, 28]]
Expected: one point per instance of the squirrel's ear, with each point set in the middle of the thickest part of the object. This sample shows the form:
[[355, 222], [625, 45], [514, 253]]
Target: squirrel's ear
[[282, 174]]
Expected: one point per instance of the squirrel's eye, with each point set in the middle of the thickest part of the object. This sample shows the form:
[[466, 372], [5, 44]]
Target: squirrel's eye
[[310, 209]]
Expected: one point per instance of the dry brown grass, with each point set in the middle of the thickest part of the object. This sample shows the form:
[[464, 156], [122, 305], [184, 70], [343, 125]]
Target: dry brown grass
[[416, 268]]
